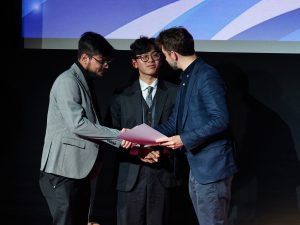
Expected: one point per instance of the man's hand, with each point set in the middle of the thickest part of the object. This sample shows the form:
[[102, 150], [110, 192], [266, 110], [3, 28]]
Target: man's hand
[[124, 143], [124, 129], [149, 155], [173, 142]]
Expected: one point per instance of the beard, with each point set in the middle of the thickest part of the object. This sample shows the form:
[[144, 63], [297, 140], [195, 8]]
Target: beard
[[174, 65]]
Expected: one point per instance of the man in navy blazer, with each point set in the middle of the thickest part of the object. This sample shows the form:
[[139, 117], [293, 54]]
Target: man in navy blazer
[[199, 126]]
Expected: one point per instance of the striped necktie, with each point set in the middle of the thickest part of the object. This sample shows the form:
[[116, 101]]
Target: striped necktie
[[149, 96]]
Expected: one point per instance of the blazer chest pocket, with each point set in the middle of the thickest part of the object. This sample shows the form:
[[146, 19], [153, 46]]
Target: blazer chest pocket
[[73, 142]]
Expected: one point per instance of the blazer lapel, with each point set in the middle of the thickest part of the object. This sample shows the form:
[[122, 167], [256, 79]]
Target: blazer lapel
[[135, 100], [80, 77], [161, 97], [189, 91]]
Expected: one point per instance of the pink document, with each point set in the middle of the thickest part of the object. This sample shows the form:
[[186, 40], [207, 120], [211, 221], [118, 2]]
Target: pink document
[[142, 134]]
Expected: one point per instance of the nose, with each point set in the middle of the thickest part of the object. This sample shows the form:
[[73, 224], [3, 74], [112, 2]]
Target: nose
[[151, 59]]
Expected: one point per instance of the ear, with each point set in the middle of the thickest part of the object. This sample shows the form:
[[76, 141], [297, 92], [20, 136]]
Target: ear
[[84, 58], [134, 63], [174, 55]]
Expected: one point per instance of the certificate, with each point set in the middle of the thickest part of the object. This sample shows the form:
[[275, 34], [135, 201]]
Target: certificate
[[142, 134]]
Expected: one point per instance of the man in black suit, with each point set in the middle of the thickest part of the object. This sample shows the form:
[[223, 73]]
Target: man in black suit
[[146, 176]]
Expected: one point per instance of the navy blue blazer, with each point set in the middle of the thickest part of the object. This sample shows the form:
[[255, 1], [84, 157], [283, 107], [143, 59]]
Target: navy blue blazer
[[205, 124]]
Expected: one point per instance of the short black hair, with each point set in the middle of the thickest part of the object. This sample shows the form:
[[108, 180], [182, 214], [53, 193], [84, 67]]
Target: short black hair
[[176, 39], [143, 45], [93, 43]]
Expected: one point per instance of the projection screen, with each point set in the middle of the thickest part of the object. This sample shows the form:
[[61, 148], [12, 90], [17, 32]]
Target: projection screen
[[265, 26]]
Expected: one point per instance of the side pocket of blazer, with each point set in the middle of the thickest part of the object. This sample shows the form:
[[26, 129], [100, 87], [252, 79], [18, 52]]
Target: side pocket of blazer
[[73, 142], [71, 149]]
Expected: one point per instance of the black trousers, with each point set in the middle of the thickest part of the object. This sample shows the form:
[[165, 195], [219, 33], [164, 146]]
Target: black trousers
[[68, 199], [147, 204]]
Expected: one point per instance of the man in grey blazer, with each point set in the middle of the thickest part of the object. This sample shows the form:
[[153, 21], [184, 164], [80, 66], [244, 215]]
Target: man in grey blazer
[[71, 147]]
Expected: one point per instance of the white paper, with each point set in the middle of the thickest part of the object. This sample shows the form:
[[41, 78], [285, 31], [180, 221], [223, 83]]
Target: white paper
[[142, 134]]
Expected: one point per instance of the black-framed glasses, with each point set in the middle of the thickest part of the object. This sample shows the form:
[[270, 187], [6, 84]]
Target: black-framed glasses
[[102, 62], [145, 58]]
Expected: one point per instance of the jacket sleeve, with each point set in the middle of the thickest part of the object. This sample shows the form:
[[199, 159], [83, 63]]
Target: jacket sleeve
[[168, 127], [68, 96], [211, 91]]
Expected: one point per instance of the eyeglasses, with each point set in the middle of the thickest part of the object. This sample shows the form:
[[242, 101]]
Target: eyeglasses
[[102, 62], [145, 58]]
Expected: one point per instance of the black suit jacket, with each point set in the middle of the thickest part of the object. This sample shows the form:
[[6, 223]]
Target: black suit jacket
[[126, 112]]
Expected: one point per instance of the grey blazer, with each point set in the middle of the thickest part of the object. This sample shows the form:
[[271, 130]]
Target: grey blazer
[[70, 146]]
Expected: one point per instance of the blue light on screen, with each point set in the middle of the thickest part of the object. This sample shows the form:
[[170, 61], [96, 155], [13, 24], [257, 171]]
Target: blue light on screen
[[214, 20]]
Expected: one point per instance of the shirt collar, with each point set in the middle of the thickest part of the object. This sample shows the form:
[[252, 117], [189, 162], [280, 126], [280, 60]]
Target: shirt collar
[[188, 69], [144, 85]]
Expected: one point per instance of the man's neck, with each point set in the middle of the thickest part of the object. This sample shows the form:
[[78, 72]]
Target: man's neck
[[185, 61], [148, 79]]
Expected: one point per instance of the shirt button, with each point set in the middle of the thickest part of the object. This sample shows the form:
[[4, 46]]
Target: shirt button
[[183, 84], [187, 75]]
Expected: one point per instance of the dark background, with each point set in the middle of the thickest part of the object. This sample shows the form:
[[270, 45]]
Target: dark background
[[263, 98]]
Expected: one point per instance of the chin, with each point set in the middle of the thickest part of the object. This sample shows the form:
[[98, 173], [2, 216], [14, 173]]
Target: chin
[[100, 73], [153, 70], [174, 66]]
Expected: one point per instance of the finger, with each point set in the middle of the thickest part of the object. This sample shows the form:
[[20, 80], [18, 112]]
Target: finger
[[163, 139], [165, 144], [174, 147], [122, 143], [147, 160], [123, 130], [155, 154], [152, 158], [126, 144]]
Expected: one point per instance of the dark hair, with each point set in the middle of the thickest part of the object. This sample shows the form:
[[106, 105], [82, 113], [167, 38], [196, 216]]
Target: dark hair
[[93, 44], [143, 45], [176, 39]]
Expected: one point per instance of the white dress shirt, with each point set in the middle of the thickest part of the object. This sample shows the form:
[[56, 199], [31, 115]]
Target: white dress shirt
[[144, 87]]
